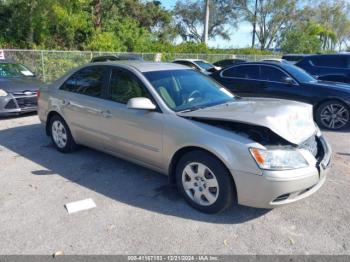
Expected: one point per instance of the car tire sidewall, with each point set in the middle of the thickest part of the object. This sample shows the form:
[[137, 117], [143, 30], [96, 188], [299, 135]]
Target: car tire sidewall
[[226, 185], [322, 106], [70, 144]]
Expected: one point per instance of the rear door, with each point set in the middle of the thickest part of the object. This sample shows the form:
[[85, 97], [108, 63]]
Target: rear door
[[241, 79], [82, 103], [131, 132]]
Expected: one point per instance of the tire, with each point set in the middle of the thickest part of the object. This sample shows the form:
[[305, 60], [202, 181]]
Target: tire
[[211, 191], [63, 139], [333, 115]]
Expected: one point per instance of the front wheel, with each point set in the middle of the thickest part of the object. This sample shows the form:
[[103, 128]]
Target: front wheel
[[204, 182], [333, 115]]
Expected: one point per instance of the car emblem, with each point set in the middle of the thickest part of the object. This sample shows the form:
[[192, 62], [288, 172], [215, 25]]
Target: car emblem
[[28, 93]]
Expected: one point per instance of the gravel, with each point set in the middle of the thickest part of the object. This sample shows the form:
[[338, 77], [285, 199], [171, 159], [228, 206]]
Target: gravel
[[138, 213]]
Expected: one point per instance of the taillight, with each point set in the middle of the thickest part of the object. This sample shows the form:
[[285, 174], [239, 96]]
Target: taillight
[[38, 94]]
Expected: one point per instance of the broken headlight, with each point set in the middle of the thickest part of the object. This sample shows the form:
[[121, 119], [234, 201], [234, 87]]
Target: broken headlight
[[278, 159]]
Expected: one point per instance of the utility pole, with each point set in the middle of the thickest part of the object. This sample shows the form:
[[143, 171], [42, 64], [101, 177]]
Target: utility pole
[[206, 22], [254, 23]]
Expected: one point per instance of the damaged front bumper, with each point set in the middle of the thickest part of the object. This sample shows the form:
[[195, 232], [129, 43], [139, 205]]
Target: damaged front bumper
[[277, 188]]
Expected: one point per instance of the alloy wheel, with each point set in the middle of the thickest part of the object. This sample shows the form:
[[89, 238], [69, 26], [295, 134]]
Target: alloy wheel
[[59, 134], [200, 184], [334, 116]]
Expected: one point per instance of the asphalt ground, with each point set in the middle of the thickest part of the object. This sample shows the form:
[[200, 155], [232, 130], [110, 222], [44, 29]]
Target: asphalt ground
[[138, 213]]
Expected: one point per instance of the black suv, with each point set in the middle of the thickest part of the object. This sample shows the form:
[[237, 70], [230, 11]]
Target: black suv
[[335, 67]]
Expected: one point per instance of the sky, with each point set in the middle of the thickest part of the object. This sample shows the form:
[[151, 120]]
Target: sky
[[240, 37]]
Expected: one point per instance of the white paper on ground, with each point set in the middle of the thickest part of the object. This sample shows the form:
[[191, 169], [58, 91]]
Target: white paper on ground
[[80, 205]]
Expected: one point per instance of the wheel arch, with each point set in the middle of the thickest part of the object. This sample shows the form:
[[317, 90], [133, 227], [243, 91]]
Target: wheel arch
[[184, 150]]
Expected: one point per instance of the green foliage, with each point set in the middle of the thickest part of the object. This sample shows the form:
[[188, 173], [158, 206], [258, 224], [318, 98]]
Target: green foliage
[[146, 26], [296, 41], [105, 41]]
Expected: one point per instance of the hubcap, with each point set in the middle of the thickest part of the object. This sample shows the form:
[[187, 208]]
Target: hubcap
[[200, 184], [59, 134], [334, 116]]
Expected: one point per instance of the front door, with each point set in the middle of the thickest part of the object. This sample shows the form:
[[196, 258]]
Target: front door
[[133, 133]]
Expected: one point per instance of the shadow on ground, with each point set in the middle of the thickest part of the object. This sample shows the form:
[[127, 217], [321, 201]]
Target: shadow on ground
[[115, 178]]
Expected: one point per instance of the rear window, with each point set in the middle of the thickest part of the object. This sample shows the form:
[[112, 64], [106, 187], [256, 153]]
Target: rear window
[[246, 72], [88, 81]]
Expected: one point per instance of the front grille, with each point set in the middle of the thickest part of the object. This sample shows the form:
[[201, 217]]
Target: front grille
[[11, 104], [24, 102], [311, 145]]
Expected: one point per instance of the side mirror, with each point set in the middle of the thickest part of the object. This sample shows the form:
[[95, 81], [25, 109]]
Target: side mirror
[[213, 69], [289, 80], [141, 103]]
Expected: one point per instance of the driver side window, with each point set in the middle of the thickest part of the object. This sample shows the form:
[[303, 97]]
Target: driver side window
[[124, 86], [269, 73]]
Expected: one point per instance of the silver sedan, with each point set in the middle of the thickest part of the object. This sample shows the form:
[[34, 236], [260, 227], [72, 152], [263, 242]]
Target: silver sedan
[[218, 148]]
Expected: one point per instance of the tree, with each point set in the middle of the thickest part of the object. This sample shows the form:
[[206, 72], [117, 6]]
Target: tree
[[189, 19], [333, 17], [272, 16], [304, 40]]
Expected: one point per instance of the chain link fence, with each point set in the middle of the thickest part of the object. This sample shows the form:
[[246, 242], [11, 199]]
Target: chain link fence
[[50, 65]]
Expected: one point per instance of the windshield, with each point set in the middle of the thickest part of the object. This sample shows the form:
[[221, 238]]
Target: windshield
[[187, 89], [300, 75], [14, 70], [203, 64]]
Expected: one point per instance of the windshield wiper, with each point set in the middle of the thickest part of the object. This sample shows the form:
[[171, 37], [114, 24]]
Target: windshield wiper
[[191, 109]]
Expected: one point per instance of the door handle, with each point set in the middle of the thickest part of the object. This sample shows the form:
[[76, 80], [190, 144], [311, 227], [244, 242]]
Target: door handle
[[65, 102], [106, 114]]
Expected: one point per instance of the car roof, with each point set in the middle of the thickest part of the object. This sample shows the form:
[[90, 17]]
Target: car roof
[[230, 59], [269, 63], [337, 54], [189, 60], [144, 66], [300, 55]]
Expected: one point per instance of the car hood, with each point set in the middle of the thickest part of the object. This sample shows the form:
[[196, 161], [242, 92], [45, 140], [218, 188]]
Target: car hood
[[20, 84], [291, 120], [331, 85]]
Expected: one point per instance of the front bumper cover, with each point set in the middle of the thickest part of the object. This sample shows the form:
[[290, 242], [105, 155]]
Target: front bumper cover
[[17, 107], [277, 188]]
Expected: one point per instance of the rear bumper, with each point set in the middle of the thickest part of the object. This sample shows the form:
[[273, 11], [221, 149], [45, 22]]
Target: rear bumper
[[17, 104], [278, 188]]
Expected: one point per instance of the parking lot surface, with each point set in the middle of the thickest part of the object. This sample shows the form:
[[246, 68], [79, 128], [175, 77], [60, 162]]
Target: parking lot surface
[[138, 213]]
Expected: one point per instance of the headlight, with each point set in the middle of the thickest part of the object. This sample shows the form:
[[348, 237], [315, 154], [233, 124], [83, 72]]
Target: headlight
[[278, 159], [3, 92]]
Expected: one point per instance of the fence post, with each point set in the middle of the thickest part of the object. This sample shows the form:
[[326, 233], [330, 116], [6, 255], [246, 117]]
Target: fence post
[[43, 65]]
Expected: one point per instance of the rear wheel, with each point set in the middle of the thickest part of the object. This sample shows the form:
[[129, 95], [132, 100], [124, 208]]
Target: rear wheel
[[61, 135], [333, 115], [204, 182]]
